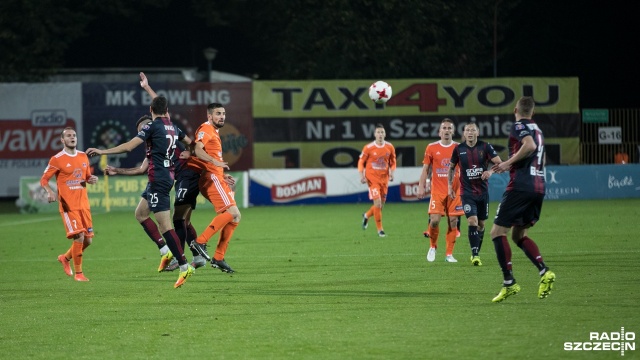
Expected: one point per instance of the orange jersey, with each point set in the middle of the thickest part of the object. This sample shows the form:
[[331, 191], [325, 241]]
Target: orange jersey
[[72, 173], [438, 156], [377, 161], [209, 136]]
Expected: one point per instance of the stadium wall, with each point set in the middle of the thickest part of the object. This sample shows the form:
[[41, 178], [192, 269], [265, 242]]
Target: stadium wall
[[318, 186]]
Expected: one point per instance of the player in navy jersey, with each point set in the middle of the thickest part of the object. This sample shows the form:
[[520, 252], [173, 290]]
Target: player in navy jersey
[[473, 157], [160, 137], [522, 201]]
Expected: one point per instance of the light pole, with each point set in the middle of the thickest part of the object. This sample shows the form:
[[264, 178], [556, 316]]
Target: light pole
[[210, 54]]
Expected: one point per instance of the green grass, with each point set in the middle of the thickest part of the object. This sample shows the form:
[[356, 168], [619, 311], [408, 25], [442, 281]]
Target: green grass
[[310, 284]]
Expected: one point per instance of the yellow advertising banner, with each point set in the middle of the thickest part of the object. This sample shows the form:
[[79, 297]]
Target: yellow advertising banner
[[325, 123], [477, 96]]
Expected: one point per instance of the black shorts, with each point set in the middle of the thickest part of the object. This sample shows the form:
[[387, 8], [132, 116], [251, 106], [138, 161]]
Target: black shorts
[[476, 205], [186, 188], [158, 195], [519, 208]]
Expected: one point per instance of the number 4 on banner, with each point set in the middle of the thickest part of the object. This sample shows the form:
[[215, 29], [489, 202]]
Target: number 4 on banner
[[424, 96], [103, 166]]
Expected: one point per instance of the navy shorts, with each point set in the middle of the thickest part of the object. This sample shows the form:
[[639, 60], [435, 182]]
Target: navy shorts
[[476, 205], [186, 187], [519, 208], [158, 195]]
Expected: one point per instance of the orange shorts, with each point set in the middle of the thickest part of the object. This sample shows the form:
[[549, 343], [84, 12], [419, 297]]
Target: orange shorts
[[443, 204], [378, 189], [217, 191], [76, 222]]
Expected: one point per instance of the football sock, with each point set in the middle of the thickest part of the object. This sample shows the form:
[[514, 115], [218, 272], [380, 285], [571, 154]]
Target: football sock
[[474, 240], [370, 212], [433, 235], [152, 231], [164, 250], [218, 223], [503, 253], [531, 250], [451, 240], [191, 235], [180, 226], [173, 242], [223, 242], [76, 251], [481, 238], [377, 215], [68, 255]]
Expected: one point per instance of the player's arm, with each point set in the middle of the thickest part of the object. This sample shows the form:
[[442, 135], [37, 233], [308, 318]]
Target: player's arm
[[144, 83], [392, 164], [450, 176], [202, 155], [487, 174], [528, 147], [126, 147], [186, 141], [361, 166], [110, 170], [49, 172], [424, 184]]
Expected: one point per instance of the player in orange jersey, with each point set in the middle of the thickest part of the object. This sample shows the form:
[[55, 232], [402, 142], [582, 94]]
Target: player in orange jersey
[[436, 163], [72, 171], [214, 185], [376, 167]]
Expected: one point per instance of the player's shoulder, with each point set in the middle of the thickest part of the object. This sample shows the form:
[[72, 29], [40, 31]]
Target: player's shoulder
[[388, 144], [59, 155], [370, 145]]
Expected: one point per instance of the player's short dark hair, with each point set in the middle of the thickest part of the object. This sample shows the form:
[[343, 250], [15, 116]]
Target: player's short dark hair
[[143, 118], [525, 106], [471, 123], [446, 120], [159, 105], [212, 106], [379, 125]]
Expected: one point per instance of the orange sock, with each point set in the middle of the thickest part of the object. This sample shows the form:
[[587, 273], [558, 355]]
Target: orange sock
[[68, 255], [433, 235], [219, 222], [377, 215], [451, 241], [223, 242], [76, 251], [370, 212]]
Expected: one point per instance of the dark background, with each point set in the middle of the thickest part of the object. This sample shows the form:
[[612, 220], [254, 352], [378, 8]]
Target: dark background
[[357, 39]]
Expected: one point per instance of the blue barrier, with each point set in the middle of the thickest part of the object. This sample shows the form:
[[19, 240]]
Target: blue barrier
[[575, 182]]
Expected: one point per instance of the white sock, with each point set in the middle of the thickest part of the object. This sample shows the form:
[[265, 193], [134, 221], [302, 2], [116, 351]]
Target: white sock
[[164, 250]]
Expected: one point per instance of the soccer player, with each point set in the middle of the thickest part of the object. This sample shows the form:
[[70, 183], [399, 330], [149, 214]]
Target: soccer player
[[142, 211], [376, 166], [160, 137], [522, 200], [472, 157], [72, 171], [436, 163], [215, 188]]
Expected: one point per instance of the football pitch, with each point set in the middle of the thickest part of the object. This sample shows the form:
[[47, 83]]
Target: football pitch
[[311, 284]]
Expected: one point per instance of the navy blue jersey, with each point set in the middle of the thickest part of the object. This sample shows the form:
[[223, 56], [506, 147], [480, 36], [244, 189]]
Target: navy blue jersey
[[179, 164], [528, 173], [473, 161], [160, 137]]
